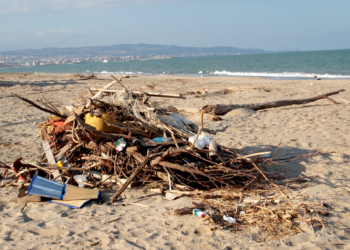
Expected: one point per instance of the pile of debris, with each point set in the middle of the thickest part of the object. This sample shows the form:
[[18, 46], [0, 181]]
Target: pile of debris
[[117, 136]]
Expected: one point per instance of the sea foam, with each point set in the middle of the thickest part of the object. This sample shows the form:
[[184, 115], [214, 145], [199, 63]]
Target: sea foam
[[280, 75]]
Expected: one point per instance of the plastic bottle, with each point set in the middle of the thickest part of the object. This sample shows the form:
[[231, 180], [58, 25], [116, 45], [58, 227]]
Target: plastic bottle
[[229, 219], [158, 139], [60, 164], [199, 213]]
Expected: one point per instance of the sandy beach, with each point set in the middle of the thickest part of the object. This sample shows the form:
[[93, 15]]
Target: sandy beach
[[320, 126]]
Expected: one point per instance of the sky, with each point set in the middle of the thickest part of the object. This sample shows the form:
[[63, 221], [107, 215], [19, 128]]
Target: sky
[[273, 25]]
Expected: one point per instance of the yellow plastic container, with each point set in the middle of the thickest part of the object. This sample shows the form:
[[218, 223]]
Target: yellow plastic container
[[99, 123]]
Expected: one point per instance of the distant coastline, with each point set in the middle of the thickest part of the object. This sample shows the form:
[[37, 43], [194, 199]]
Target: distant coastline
[[114, 53]]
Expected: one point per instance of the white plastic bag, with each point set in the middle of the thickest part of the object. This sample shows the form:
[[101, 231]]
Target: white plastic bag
[[202, 140], [80, 179], [229, 219]]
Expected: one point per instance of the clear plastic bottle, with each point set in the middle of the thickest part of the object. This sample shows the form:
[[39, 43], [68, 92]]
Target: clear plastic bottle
[[199, 213]]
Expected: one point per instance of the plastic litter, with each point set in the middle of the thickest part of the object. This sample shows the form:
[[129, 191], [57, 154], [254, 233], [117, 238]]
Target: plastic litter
[[46, 188], [121, 143], [60, 164], [158, 139], [202, 140], [266, 155], [80, 179], [229, 219], [199, 213]]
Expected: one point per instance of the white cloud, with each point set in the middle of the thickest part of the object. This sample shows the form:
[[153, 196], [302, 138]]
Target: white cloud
[[50, 32]]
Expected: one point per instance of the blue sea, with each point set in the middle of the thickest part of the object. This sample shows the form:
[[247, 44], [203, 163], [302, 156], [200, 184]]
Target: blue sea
[[332, 64]]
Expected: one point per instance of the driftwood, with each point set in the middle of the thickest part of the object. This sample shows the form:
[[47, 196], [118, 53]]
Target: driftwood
[[125, 185], [87, 77], [132, 151], [165, 95], [220, 109], [53, 112], [99, 94], [145, 160]]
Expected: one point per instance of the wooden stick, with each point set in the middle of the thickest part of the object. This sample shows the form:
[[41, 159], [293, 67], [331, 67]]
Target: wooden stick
[[50, 157], [90, 90], [164, 95], [119, 81], [9, 183], [219, 109], [172, 135], [130, 179], [213, 147], [256, 154], [127, 129], [200, 129], [104, 88], [95, 243], [331, 100], [38, 107], [159, 161], [133, 204], [267, 178], [99, 94], [100, 182], [39, 167], [165, 143], [65, 171], [112, 220]]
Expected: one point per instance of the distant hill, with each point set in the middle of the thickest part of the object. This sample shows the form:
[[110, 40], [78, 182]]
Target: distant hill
[[132, 50]]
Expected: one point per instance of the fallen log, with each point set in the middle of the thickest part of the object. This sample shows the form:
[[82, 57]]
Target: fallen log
[[220, 109]]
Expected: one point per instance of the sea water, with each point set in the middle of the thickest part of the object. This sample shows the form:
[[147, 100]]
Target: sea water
[[333, 64]]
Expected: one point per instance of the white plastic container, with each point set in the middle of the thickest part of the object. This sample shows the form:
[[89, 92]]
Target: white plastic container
[[229, 219]]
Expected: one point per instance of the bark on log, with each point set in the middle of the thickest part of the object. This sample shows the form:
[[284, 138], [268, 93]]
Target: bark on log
[[220, 109]]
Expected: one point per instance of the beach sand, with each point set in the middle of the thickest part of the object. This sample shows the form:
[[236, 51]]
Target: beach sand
[[300, 129]]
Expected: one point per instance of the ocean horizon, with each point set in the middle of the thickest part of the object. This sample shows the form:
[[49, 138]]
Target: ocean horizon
[[331, 64]]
